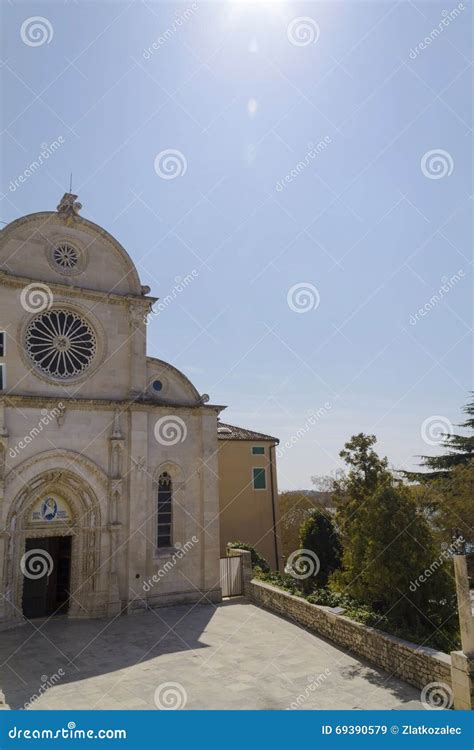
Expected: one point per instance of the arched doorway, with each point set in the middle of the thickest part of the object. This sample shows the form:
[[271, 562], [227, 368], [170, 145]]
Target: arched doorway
[[46, 561], [52, 563], [46, 576]]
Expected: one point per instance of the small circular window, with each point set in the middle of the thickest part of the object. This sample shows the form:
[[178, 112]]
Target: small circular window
[[66, 256], [60, 343], [157, 385]]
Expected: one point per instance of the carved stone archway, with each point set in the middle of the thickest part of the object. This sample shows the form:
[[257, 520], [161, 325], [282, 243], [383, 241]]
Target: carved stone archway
[[89, 582]]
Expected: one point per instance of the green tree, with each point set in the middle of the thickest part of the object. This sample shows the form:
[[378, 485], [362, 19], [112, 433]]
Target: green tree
[[366, 468], [387, 545], [401, 573], [295, 507], [460, 453], [448, 503], [319, 535], [399, 547], [367, 471]]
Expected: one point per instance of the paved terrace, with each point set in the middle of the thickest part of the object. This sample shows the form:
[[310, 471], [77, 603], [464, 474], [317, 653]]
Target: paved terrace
[[233, 656]]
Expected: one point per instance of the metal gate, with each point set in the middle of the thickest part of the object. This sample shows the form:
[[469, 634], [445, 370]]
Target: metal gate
[[231, 576]]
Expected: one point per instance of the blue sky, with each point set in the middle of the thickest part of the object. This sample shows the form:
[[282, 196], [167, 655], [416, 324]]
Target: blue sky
[[244, 91]]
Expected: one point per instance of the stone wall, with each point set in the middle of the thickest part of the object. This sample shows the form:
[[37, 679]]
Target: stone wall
[[417, 665], [246, 558]]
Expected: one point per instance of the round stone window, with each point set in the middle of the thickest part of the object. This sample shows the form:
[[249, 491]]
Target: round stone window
[[157, 385], [66, 257], [60, 343]]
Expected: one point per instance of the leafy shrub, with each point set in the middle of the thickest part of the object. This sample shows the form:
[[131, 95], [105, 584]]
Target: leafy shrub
[[257, 560], [318, 534], [281, 580]]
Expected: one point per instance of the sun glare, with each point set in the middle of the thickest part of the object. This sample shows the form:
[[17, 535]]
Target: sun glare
[[268, 8]]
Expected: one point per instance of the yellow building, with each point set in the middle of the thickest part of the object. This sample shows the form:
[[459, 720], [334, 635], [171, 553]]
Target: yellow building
[[248, 494]]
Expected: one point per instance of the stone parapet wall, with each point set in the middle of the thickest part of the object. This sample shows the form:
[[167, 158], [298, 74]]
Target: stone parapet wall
[[417, 665]]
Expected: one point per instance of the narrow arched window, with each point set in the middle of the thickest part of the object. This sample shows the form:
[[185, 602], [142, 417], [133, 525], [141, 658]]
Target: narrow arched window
[[165, 501]]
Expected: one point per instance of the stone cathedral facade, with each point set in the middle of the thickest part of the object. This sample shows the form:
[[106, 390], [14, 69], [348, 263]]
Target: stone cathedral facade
[[109, 498]]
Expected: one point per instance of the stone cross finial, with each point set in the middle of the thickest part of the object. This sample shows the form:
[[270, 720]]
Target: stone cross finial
[[68, 205]]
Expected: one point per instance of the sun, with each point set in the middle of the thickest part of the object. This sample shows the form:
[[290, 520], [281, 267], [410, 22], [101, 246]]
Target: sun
[[269, 7]]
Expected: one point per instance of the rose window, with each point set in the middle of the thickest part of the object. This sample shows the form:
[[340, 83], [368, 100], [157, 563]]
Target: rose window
[[60, 343], [66, 257]]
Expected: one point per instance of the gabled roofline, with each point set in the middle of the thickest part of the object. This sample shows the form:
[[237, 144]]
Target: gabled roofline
[[243, 434], [86, 224]]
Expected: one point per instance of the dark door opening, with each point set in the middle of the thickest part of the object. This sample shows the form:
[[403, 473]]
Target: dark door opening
[[48, 594]]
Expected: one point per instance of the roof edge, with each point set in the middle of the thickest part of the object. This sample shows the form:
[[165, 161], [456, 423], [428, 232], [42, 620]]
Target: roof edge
[[243, 434]]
